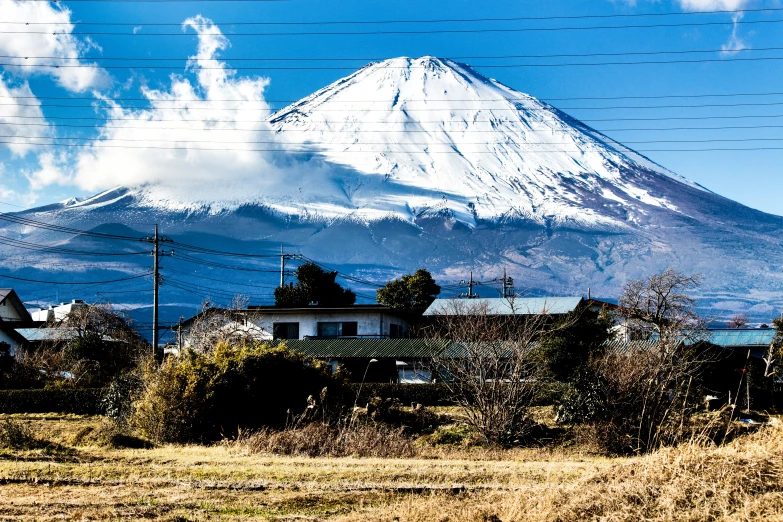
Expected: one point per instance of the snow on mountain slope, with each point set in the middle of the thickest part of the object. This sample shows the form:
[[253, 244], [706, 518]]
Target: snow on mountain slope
[[444, 137]]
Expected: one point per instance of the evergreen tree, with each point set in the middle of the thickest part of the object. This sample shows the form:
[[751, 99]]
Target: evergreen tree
[[411, 293], [314, 286]]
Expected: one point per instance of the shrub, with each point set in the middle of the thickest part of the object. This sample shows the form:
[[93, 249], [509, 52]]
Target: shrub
[[85, 401], [426, 394], [202, 397], [17, 435]]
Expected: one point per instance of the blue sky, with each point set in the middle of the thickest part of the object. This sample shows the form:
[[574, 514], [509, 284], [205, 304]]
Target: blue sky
[[39, 174]]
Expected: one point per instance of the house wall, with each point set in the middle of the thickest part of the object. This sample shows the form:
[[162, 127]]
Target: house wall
[[368, 322], [8, 312]]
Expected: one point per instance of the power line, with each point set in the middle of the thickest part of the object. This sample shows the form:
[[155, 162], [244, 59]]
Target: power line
[[427, 100], [398, 32], [266, 121], [377, 59], [424, 109], [352, 68], [75, 282], [19, 220], [426, 21], [211, 129], [426, 144], [317, 151]]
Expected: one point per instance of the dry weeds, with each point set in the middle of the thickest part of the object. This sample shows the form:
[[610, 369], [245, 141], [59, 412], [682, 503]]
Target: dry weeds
[[739, 481]]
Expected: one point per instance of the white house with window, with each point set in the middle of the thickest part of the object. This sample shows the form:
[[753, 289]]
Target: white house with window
[[269, 323]]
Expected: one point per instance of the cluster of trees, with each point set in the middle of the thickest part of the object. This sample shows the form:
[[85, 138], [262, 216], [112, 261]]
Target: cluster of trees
[[315, 286]]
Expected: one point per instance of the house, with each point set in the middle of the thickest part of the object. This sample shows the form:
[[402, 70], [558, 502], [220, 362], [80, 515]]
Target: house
[[512, 306], [377, 359], [13, 315], [57, 312], [269, 323]]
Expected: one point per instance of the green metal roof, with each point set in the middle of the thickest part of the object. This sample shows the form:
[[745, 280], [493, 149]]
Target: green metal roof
[[367, 348]]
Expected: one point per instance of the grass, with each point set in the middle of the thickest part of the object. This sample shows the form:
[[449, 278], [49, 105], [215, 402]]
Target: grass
[[95, 481]]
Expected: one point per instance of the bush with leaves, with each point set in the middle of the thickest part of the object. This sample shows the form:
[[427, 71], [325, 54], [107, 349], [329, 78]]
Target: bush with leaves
[[566, 346], [411, 293], [202, 397]]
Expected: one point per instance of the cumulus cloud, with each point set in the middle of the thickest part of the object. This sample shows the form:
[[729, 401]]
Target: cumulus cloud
[[19, 106], [52, 38], [198, 141]]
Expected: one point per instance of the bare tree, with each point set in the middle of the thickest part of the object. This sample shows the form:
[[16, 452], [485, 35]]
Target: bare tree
[[489, 364], [737, 321], [648, 388], [659, 307], [235, 325], [88, 346]]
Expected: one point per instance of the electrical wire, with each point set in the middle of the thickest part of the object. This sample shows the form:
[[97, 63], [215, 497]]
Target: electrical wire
[[400, 32], [727, 127], [352, 68], [352, 110], [425, 144], [317, 151], [427, 100], [265, 121], [428, 21], [20, 220], [75, 282]]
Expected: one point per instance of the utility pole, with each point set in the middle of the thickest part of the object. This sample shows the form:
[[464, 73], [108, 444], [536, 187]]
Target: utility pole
[[156, 253], [179, 335], [283, 258], [508, 285], [470, 283]]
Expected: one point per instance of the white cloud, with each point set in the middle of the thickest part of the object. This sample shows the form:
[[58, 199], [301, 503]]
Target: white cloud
[[200, 141], [61, 48], [20, 107], [714, 5], [53, 169], [735, 43]]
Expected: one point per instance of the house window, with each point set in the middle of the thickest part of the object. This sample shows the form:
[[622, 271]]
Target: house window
[[285, 330], [344, 329], [395, 331]]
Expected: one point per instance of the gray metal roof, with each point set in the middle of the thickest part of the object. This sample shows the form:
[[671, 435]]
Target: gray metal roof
[[504, 306], [47, 334], [53, 334]]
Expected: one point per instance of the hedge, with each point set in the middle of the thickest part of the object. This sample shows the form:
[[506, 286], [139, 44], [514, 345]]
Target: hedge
[[437, 394], [426, 394], [84, 401]]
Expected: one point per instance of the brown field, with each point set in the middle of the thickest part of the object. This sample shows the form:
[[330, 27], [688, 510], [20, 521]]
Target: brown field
[[76, 478]]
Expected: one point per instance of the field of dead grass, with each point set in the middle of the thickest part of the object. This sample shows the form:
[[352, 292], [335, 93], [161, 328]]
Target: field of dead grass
[[79, 477]]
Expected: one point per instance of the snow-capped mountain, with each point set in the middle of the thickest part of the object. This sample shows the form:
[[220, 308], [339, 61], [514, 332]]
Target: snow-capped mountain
[[424, 162]]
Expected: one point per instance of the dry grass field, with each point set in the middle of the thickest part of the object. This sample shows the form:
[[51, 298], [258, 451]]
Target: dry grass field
[[76, 477]]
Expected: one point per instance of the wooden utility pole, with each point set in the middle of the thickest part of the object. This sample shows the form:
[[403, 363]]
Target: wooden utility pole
[[283, 258], [156, 253]]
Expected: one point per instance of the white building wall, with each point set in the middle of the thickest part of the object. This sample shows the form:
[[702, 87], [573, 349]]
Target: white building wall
[[368, 322]]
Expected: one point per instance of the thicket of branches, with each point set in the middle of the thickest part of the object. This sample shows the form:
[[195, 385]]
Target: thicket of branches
[[88, 348], [491, 366]]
